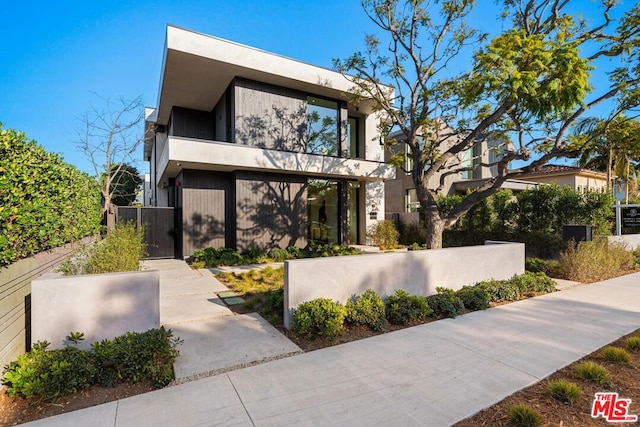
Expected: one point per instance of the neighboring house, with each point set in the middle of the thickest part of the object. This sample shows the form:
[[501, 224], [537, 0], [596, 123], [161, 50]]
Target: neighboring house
[[400, 193], [254, 149], [582, 180]]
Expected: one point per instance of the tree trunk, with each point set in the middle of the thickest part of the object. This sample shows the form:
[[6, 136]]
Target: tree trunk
[[434, 226]]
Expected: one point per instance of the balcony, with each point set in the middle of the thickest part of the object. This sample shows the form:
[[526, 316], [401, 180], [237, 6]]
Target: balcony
[[188, 153]]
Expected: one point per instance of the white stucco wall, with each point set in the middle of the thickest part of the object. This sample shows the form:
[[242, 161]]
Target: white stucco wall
[[102, 306], [631, 240], [417, 272]]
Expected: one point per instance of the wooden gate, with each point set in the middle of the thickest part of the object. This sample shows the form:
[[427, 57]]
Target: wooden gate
[[159, 228]]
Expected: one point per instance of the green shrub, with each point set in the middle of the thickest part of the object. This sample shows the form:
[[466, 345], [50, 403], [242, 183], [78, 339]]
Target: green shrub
[[215, 257], [278, 254], [445, 303], [48, 374], [500, 290], [44, 202], [474, 297], [550, 267], [196, 265], [593, 372], [295, 252], [384, 234], [513, 289], [121, 250], [275, 303], [403, 308], [317, 250], [633, 343], [254, 252], [524, 416], [417, 247], [367, 309], [590, 261], [135, 356], [564, 391], [320, 316], [636, 256], [616, 355], [533, 282]]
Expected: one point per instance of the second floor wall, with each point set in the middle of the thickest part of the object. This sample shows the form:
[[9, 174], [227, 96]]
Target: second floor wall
[[273, 117]]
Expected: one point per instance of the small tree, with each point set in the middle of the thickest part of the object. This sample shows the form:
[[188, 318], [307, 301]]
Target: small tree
[[124, 185], [524, 89], [109, 138]]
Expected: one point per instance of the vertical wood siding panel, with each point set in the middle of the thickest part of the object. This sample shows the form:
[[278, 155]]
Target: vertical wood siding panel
[[204, 202], [270, 208], [257, 123]]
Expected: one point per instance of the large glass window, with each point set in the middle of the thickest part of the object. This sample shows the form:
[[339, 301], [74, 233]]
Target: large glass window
[[322, 127], [322, 205], [354, 203], [411, 200], [356, 141]]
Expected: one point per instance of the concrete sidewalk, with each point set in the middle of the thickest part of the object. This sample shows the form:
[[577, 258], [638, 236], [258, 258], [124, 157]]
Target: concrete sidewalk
[[430, 375]]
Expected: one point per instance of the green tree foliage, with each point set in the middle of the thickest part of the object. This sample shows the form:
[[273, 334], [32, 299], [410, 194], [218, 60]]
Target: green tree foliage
[[44, 202], [611, 146], [535, 216], [522, 90], [125, 184]]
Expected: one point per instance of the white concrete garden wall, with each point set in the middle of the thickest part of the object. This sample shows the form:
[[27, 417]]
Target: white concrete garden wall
[[417, 272], [631, 240], [100, 305], [15, 294]]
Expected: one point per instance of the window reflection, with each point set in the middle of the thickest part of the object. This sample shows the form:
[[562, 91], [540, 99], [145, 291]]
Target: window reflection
[[322, 127]]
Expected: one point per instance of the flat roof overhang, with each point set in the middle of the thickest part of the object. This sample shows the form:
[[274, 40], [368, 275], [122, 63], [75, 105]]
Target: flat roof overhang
[[197, 69], [188, 153]]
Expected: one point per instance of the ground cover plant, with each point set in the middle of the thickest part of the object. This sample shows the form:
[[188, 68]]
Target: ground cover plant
[[215, 257], [262, 291], [566, 397]]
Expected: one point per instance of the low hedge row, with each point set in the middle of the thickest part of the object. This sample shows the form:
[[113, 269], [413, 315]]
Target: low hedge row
[[215, 257], [325, 317], [133, 357]]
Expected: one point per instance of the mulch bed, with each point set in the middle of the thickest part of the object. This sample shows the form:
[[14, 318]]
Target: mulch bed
[[625, 380]]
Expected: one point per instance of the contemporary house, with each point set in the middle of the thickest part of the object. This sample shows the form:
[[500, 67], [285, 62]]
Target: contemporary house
[[253, 149]]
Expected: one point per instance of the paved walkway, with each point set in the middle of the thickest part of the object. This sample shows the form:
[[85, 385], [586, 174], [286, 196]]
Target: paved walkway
[[430, 375], [215, 339]]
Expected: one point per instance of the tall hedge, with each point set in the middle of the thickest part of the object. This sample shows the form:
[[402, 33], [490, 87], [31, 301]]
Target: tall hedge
[[44, 202], [534, 216]]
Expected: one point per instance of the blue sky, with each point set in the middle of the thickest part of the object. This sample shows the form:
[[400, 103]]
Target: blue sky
[[55, 58]]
